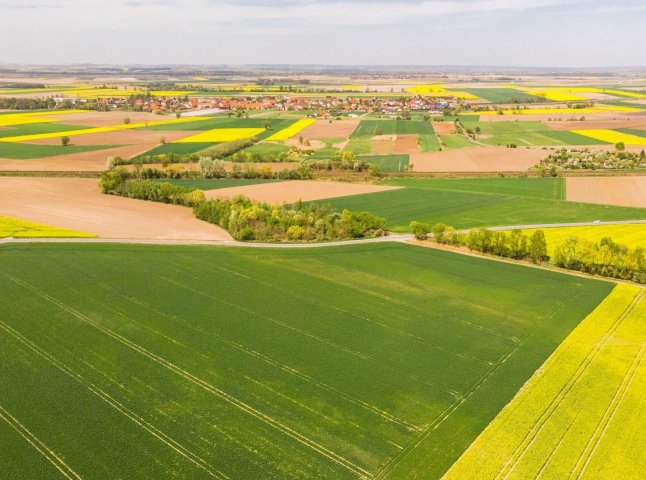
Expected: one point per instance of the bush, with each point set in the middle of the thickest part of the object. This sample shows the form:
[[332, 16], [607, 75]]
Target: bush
[[420, 230]]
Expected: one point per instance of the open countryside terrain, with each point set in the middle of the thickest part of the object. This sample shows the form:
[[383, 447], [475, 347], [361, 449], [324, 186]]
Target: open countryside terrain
[[577, 417], [477, 202], [333, 372]]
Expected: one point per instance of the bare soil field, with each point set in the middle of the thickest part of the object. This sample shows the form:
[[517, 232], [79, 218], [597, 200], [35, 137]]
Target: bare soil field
[[325, 129], [119, 137], [476, 160], [624, 191], [314, 144], [382, 144], [443, 128], [77, 204], [406, 144], [74, 162], [633, 121], [295, 190]]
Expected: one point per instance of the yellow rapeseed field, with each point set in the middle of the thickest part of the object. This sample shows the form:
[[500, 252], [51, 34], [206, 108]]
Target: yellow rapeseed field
[[26, 118], [612, 136], [293, 129], [14, 227], [110, 128], [632, 235], [581, 415], [222, 135], [439, 91], [557, 111]]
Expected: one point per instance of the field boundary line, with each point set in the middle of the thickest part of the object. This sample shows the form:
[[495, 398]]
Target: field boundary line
[[538, 426], [205, 385], [38, 445], [392, 464], [106, 397]]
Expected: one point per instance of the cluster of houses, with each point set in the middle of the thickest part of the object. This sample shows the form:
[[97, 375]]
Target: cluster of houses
[[320, 106]]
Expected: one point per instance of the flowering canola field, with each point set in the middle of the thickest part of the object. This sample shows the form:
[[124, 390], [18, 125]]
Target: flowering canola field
[[612, 136], [14, 227], [293, 129], [581, 414], [222, 135], [86, 131]]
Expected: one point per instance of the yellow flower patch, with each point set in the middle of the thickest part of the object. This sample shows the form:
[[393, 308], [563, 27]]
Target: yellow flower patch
[[222, 135]]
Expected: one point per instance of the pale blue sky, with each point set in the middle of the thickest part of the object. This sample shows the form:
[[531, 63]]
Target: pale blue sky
[[561, 33]]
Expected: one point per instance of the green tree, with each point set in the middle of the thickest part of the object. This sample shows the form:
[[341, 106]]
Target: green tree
[[538, 247], [420, 230], [65, 141]]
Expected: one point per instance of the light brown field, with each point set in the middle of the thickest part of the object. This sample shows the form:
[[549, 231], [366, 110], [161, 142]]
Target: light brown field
[[625, 191], [406, 144], [74, 162], [443, 128], [77, 204], [325, 129], [382, 144], [477, 160], [295, 190], [595, 123]]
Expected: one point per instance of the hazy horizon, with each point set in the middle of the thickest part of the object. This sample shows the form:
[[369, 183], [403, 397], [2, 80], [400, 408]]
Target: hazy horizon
[[496, 33]]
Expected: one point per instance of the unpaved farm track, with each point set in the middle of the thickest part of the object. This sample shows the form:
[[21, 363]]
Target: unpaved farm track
[[77, 204]]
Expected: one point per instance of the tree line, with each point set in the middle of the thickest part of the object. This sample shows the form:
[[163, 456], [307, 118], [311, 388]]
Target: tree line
[[605, 257], [247, 220]]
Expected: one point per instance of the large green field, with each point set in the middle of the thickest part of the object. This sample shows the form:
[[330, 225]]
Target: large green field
[[387, 163], [382, 360], [467, 203], [525, 133], [224, 122], [370, 128], [23, 151]]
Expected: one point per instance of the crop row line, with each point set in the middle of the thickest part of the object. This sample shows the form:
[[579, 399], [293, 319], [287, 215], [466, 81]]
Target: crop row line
[[390, 466], [103, 395], [250, 352], [608, 415], [39, 446], [205, 385]]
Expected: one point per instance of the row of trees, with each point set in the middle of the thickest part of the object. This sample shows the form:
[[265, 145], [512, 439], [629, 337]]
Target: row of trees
[[604, 257], [575, 159], [515, 244], [248, 220]]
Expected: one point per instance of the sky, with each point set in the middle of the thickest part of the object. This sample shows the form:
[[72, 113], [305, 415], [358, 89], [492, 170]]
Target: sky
[[537, 33]]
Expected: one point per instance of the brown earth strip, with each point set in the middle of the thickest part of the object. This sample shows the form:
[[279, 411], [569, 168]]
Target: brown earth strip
[[77, 204], [335, 129], [444, 128], [407, 144], [74, 162], [624, 191], [382, 144], [476, 160], [293, 191]]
